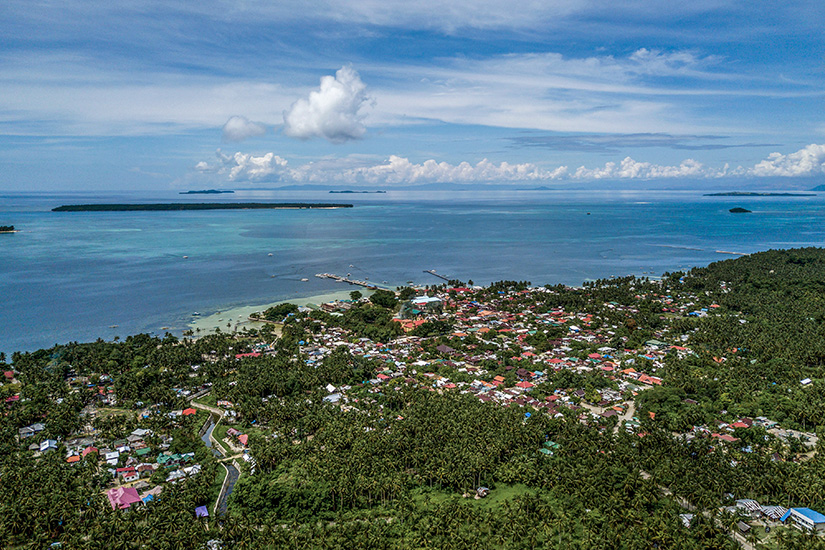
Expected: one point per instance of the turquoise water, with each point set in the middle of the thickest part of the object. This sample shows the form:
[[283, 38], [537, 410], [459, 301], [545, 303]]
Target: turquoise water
[[70, 276]]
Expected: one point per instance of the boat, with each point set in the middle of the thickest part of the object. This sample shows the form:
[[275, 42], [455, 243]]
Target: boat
[[195, 314], [113, 326], [270, 254], [304, 280]]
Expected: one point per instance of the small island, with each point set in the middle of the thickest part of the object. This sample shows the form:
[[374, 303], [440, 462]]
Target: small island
[[739, 210], [750, 194], [351, 191], [206, 192], [194, 206], [7, 229]]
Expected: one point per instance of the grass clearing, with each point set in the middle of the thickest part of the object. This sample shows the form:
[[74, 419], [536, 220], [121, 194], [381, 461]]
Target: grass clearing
[[208, 399], [497, 496]]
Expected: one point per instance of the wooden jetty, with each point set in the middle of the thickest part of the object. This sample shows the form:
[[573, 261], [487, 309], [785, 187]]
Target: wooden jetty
[[432, 272], [366, 284]]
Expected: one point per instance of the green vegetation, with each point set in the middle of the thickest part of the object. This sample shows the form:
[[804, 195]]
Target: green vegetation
[[384, 298], [279, 313], [6, 228], [175, 206], [345, 460]]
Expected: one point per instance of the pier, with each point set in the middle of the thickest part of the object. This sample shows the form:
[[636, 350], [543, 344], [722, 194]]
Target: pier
[[432, 272], [341, 279]]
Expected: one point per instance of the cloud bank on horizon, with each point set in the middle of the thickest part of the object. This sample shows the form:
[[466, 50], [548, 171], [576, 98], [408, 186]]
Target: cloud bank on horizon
[[398, 92], [268, 168]]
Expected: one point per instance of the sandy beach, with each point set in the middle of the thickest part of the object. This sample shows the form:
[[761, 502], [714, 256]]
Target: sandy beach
[[238, 317]]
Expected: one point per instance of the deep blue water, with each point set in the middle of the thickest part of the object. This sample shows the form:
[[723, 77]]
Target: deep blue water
[[69, 276]]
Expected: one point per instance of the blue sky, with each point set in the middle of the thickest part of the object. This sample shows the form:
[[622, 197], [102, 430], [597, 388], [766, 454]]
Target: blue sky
[[177, 95]]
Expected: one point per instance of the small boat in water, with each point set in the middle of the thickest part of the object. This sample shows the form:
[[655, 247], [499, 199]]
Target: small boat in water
[[304, 280]]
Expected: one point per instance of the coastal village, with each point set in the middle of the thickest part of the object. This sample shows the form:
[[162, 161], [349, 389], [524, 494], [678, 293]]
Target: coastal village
[[498, 348]]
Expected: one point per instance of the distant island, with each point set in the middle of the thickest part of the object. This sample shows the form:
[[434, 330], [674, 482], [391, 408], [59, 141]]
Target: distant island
[[7, 229], [739, 210], [194, 206], [351, 191], [206, 192], [749, 194]]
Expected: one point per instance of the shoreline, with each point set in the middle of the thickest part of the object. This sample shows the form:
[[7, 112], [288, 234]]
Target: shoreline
[[238, 316]]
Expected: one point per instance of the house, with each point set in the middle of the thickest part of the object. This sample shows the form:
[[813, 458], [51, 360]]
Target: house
[[122, 497], [141, 433], [774, 513], [805, 519], [150, 495], [87, 450], [48, 445], [23, 433], [749, 507]]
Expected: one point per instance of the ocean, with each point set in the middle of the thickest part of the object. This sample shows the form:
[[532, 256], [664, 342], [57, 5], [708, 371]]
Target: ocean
[[88, 275]]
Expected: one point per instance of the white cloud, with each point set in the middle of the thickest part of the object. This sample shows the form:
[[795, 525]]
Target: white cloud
[[332, 112], [239, 128], [397, 170], [659, 63], [246, 167], [631, 169], [401, 170], [808, 161]]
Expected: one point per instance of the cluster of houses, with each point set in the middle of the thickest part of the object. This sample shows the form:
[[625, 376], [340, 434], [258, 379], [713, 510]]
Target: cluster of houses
[[804, 519], [130, 461], [501, 333], [405, 357]]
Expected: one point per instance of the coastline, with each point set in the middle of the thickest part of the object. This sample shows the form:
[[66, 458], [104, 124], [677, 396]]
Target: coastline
[[238, 316]]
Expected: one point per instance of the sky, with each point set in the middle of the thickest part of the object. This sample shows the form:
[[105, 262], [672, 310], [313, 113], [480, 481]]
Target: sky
[[167, 94]]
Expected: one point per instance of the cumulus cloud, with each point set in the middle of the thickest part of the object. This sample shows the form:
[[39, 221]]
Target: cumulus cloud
[[246, 167], [808, 161], [332, 112], [239, 128], [401, 170], [397, 170], [631, 169]]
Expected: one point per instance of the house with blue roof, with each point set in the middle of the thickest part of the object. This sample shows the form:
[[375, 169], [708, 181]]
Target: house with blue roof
[[806, 519]]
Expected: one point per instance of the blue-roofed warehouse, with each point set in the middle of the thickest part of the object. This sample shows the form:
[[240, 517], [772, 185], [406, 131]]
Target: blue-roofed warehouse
[[806, 519]]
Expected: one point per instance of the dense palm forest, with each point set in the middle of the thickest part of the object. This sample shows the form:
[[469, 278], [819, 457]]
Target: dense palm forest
[[398, 465]]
